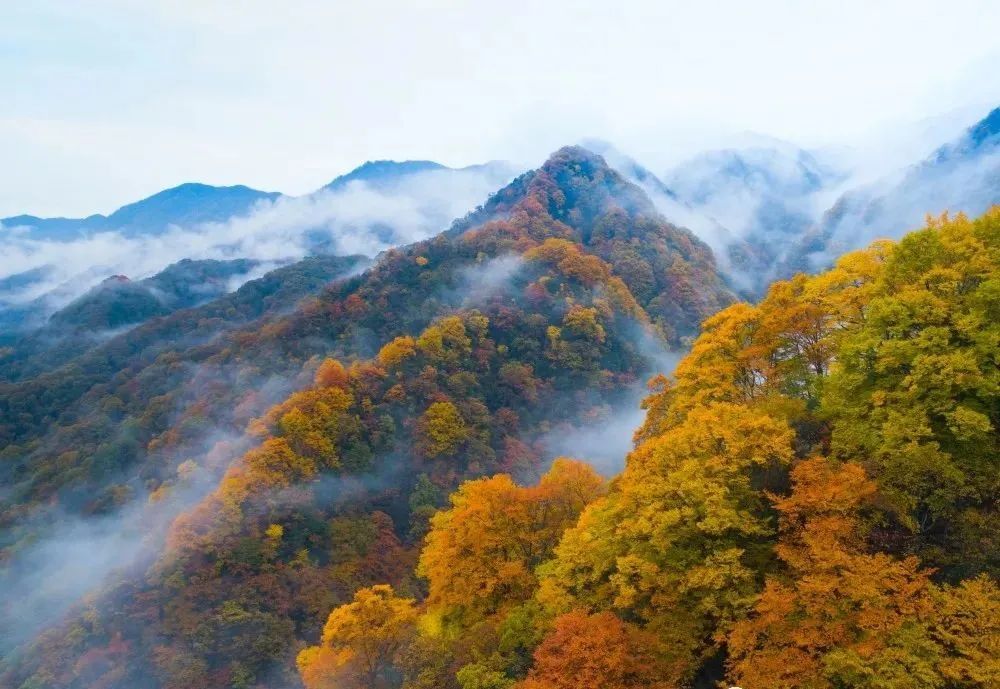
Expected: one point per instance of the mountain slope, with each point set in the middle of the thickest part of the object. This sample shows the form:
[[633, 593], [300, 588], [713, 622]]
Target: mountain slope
[[961, 176], [48, 412], [540, 309], [181, 285], [113, 305]]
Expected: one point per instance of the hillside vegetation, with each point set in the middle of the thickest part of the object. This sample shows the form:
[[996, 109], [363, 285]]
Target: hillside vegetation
[[449, 360]]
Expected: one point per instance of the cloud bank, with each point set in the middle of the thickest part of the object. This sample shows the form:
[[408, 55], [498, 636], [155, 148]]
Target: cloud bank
[[357, 219]]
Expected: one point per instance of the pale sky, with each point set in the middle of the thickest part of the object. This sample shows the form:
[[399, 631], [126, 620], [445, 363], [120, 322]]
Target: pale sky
[[107, 101]]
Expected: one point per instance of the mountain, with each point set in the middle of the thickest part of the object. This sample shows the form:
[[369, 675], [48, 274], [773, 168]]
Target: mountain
[[728, 247], [384, 175], [119, 302], [375, 207], [960, 176], [111, 306], [186, 205], [183, 205], [759, 198], [459, 355]]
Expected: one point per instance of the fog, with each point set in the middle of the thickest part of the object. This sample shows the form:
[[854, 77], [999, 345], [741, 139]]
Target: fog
[[359, 218], [64, 558]]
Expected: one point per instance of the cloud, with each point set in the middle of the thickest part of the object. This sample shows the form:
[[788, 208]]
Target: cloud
[[357, 219], [606, 438], [78, 556]]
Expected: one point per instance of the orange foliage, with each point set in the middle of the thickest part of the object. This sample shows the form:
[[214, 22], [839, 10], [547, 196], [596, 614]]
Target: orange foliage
[[841, 601], [331, 373], [480, 554], [597, 651]]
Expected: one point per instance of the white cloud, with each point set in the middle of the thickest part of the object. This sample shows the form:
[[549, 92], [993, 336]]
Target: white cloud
[[358, 219], [284, 98]]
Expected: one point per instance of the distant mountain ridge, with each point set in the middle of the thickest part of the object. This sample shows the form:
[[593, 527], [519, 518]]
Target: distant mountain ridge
[[186, 204], [193, 203], [960, 176], [381, 172], [764, 198]]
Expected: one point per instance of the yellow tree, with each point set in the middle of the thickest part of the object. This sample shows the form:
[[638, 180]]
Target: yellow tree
[[843, 617], [442, 430], [480, 554], [362, 642], [676, 542]]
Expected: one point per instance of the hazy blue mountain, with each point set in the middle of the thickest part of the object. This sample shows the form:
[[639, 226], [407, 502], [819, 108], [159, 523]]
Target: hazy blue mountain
[[380, 173], [118, 301], [386, 175], [749, 203], [183, 205], [961, 176], [754, 190], [24, 279], [192, 296], [115, 301], [55, 228]]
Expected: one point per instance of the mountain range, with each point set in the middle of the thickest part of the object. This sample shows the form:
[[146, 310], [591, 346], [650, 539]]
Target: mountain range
[[207, 466], [543, 308], [186, 204], [379, 205], [766, 209], [960, 176]]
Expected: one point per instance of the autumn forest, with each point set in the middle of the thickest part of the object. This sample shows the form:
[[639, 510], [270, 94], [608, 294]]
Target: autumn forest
[[341, 475]]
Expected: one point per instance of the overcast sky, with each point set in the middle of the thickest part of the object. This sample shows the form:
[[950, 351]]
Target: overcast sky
[[107, 101]]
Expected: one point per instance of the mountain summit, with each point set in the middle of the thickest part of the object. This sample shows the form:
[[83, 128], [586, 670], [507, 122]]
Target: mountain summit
[[544, 309]]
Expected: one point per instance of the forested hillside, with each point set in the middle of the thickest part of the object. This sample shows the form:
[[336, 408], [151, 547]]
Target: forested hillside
[[450, 359], [575, 346], [358, 490], [811, 502]]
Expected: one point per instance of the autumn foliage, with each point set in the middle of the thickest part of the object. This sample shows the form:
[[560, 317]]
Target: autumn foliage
[[810, 502]]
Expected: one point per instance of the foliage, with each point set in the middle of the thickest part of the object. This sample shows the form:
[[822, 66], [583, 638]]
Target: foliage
[[361, 642], [811, 500]]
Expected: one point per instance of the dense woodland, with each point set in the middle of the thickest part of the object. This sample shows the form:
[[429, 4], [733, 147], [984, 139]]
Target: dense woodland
[[811, 500]]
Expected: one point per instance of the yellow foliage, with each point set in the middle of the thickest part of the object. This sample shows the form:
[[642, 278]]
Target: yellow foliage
[[480, 554], [361, 642], [399, 349], [442, 429]]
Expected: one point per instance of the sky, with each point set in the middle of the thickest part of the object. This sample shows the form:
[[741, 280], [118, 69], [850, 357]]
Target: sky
[[108, 101]]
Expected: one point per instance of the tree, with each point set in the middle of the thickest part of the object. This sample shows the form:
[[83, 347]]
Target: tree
[[442, 430], [676, 542], [915, 394], [843, 617], [597, 651], [396, 351], [361, 643], [481, 553]]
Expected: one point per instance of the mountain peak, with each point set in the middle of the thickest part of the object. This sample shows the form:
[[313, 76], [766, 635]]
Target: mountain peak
[[384, 172], [572, 182], [115, 279], [185, 204], [585, 160]]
